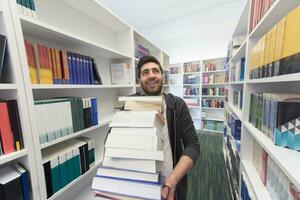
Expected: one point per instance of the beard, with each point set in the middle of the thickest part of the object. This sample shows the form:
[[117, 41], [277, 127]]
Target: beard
[[152, 90]]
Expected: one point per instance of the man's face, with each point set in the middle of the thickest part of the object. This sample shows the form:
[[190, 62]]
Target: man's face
[[151, 79]]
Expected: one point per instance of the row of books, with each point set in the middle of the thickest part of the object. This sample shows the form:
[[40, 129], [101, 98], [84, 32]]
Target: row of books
[[175, 69], [238, 99], [258, 9], [212, 125], [191, 79], [66, 161], [277, 116], [278, 51], [14, 182], [140, 50], [11, 138], [191, 67], [166, 77], [212, 103], [27, 7], [63, 116], [216, 91], [213, 78], [277, 183], [188, 90], [55, 66], [234, 124], [3, 46], [244, 190], [233, 160], [208, 66], [192, 101], [133, 150], [238, 70]]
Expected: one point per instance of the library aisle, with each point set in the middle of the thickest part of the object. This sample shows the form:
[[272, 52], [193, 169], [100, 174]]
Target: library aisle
[[75, 125]]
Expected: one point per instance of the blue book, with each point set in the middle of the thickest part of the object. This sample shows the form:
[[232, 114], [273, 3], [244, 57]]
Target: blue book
[[24, 180], [69, 54], [74, 70], [78, 71], [81, 69], [92, 77]]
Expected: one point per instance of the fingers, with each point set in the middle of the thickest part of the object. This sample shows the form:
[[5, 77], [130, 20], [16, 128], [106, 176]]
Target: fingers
[[164, 193]]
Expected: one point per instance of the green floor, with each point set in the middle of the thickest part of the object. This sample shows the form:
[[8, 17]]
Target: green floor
[[208, 180]]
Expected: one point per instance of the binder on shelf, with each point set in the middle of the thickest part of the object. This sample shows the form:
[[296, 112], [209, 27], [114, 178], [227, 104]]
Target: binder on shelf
[[7, 139]]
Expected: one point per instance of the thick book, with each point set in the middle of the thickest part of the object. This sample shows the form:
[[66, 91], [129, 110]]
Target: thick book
[[10, 184], [128, 175], [24, 176], [133, 119], [7, 138], [134, 141], [134, 154], [2, 52], [142, 103], [128, 188], [110, 196]]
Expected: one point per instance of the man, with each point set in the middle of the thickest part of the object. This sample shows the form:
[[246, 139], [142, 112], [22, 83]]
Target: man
[[181, 146]]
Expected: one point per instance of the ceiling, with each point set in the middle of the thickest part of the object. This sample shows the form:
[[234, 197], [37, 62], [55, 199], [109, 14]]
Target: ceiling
[[186, 30]]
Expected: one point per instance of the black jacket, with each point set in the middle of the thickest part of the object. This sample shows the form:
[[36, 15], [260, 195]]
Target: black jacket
[[182, 135]]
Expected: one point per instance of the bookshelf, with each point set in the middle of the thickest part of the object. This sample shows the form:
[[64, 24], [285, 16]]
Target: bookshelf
[[87, 28], [285, 159], [214, 80], [12, 87]]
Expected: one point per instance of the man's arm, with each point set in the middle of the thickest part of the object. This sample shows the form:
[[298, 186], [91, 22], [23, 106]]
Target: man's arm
[[182, 168], [190, 153]]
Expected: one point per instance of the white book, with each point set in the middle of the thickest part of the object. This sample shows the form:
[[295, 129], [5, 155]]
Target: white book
[[134, 154], [127, 174], [136, 131], [150, 166], [120, 73], [130, 141], [110, 196], [157, 99], [40, 123], [127, 188], [146, 119]]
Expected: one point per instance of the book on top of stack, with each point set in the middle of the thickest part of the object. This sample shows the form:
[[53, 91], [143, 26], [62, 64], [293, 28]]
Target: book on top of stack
[[133, 152]]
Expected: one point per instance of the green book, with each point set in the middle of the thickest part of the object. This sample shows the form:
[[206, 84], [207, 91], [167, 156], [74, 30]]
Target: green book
[[55, 174], [63, 169]]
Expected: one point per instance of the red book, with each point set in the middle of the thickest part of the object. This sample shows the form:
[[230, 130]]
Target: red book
[[7, 139]]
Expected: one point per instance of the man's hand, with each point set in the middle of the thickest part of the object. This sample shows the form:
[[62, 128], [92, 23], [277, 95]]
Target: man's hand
[[167, 192]]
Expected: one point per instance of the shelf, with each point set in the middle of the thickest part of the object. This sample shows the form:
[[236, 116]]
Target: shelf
[[215, 71], [74, 182], [212, 131], [209, 108], [237, 112], [45, 32], [191, 73], [276, 79], [236, 83], [175, 85], [73, 135], [213, 84], [286, 159], [54, 86], [212, 119], [12, 156], [212, 96], [136, 59], [196, 118], [195, 96], [278, 10], [4, 86], [190, 84], [195, 107], [257, 185], [241, 52]]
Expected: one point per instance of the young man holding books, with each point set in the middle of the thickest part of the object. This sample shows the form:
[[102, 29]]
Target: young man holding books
[[181, 146]]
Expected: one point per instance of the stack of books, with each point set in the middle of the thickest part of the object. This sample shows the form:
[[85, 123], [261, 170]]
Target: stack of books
[[133, 152]]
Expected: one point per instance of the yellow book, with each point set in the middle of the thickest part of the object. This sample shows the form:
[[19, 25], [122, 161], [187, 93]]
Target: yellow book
[[262, 51], [273, 44], [279, 39], [291, 42], [267, 49]]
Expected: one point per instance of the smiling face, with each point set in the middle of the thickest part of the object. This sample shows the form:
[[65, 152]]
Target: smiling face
[[151, 79]]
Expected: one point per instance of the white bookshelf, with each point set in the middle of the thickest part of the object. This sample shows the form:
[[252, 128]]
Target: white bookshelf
[[12, 87], [84, 27], [285, 159]]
